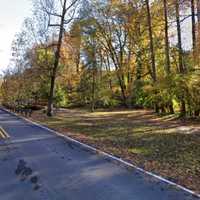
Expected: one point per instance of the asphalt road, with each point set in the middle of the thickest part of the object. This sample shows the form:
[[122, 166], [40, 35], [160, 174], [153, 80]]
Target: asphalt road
[[36, 164]]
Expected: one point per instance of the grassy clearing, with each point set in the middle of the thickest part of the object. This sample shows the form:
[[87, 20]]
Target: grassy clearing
[[164, 145]]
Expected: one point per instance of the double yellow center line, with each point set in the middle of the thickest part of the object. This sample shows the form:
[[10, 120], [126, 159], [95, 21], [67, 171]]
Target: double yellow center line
[[3, 134]]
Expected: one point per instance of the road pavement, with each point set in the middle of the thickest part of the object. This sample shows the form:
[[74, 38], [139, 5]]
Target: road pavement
[[37, 164]]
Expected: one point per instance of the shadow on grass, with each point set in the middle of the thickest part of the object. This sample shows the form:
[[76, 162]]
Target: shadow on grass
[[156, 143]]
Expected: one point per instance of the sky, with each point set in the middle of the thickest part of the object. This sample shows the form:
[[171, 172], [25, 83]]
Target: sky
[[12, 14]]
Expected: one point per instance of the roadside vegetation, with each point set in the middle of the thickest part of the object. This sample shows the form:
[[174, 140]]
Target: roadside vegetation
[[107, 54]]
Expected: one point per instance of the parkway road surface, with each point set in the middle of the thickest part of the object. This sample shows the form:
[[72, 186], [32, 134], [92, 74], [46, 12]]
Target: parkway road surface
[[37, 164]]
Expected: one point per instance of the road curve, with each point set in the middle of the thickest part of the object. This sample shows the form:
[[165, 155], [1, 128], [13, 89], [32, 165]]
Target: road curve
[[36, 164]]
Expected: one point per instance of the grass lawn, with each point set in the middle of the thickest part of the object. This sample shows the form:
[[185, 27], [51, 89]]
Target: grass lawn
[[163, 145]]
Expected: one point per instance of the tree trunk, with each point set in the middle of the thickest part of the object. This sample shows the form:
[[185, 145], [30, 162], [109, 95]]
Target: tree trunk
[[196, 113], [193, 25], [138, 65], [171, 108], [198, 15], [94, 72], [153, 66], [198, 34], [167, 57], [167, 54], [93, 91], [180, 51], [123, 89], [56, 62]]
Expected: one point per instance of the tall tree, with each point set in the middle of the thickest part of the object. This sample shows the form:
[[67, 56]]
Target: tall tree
[[179, 37], [151, 43], [167, 52], [198, 32], [193, 24], [167, 56], [198, 14], [152, 52], [66, 10], [180, 51]]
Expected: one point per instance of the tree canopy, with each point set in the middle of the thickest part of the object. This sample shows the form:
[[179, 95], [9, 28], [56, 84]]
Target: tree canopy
[[108, 53]]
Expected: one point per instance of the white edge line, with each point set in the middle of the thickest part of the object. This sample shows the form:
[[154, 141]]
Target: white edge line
[[108, 155]]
